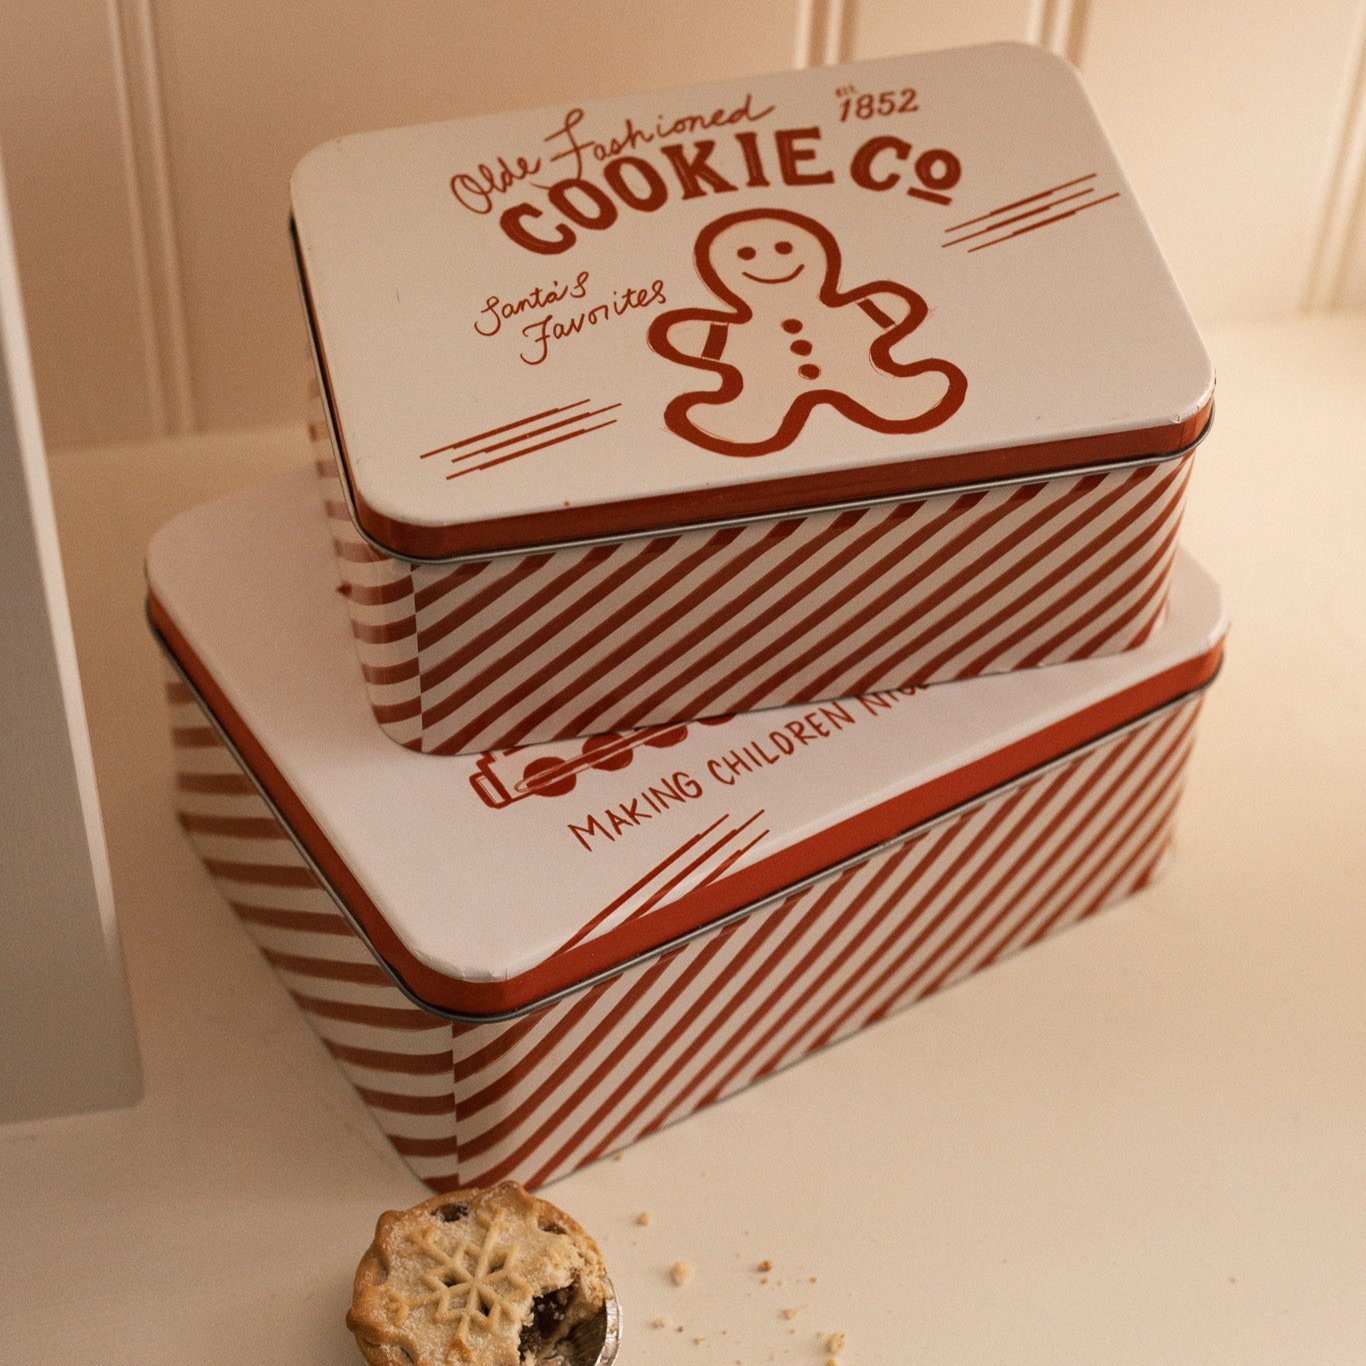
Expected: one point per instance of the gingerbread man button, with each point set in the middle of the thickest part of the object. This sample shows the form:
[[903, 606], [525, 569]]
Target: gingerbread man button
[[789, 339]]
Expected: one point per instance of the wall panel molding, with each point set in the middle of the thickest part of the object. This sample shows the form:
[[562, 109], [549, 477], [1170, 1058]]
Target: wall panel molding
[[1060, 26], [885, 28], [66, 142], [1230, 121], [153, 215], [1342, 214], [822, 33], [150, 143]]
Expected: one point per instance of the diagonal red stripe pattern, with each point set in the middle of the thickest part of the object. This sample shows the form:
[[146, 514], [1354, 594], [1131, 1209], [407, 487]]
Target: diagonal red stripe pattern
[[544, 1093], [525, 648]]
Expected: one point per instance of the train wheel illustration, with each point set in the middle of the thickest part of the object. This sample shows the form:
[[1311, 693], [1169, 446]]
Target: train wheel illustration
[[547, 778], [607, 752]]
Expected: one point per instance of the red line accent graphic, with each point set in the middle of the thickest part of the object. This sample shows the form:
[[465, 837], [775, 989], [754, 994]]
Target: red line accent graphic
[[459, 578], [1028, 199], [1043, 223], [503, 1038], [1031, 592], [506, 427], [660, 893], [1039, 891], [591, 924], [539, 446], [749, 991], [698, 1045], [1155, 569], [949, 970], [1018, 217], [1164, 797], [380, 594], [942, 860], [1124, 554], [719, 871], [793, 974], [511, 1122], [535, 431]]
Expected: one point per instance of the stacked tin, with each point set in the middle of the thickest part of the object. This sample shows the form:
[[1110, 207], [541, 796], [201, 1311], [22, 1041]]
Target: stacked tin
[[670, 446]]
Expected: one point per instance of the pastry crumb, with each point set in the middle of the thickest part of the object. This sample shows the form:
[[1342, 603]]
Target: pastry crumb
[[698, 1342], [765, 1265], [791, 1312], [832, 1361], [643, 1218], [659, 1321], [681, 1272], [834, 1344]]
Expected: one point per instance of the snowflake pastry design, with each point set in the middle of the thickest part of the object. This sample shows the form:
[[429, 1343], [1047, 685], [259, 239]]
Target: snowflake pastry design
[[473, 1284]]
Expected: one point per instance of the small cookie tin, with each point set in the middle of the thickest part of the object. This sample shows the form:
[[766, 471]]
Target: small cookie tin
[[526, 959], [768, 391]]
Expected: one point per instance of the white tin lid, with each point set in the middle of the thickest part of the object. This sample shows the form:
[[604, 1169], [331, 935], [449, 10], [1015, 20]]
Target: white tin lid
[[786, 291], [488, 882]]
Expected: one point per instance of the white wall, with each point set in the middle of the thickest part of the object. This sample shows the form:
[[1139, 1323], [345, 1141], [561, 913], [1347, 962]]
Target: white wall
[[150, 141]]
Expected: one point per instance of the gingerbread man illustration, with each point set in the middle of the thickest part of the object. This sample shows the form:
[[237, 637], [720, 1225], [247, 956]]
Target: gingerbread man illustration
[[790, 338]]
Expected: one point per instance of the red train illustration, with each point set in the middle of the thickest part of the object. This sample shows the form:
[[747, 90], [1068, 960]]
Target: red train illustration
[[553, 776]]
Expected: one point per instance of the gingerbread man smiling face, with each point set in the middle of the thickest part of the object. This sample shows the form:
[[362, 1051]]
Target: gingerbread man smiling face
[[763, 251], [790, 338]]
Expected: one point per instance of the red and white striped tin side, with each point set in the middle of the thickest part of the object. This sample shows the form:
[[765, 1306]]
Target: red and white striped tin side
[[526, 648], [562, 1084]]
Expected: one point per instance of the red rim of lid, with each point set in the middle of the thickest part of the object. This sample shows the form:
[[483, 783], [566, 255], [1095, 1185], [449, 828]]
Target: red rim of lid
[[801, 493], [694, 911]]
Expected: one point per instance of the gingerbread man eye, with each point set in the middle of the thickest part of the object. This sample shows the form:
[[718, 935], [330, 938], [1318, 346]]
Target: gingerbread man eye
[[782, 248], [746, 253]]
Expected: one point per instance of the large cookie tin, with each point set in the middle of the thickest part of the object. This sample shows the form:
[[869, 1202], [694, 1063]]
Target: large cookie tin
[[525, 959]]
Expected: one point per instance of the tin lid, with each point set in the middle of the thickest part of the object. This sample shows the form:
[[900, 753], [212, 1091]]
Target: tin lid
[[488, 882], [788, 291]]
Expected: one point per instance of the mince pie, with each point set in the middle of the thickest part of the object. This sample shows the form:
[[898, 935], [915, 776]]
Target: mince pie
[[492, 1277]]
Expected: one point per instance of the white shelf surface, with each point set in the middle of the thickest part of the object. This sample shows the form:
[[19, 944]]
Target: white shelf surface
[[1144, 1141]]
